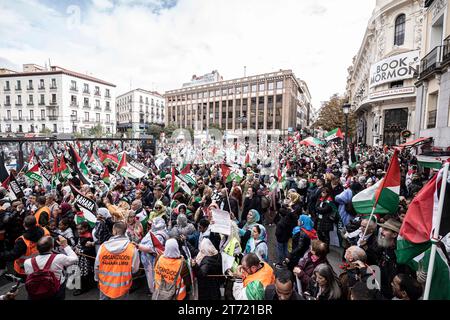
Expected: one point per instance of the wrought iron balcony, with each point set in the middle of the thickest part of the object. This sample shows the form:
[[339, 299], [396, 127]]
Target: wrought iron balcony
[[75, 89], [431, 62], [7, 89], [53, 118], [41, 88], [446, 50], [53, 87], [86, 106], [30, 88]]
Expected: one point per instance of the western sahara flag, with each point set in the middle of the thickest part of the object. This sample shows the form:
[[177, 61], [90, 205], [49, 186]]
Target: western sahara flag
[[128, 167], [333, 134], [87, 207], [34, 173], [384, 195]]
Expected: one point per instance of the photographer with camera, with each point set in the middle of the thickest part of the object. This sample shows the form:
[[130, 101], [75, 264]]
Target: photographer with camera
[[45, 286]]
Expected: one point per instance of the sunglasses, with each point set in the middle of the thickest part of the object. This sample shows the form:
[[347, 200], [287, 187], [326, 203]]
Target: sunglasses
[[157, 208]]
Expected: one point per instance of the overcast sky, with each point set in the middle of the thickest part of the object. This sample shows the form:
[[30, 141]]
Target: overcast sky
[[159, 44]]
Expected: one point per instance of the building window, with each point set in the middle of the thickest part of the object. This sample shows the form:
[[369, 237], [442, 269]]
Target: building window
[[86, 88], [30, 85], [53, 98], [41, 84], [53, 84], [7, 101], [18, 86], [30, 99], [55, 127], [108, 118], [97, 117], [73, 85], [20, 128], [245, 89], [86, 102], [107, 94], [20, 114], [270, 85], [253, 87], [19, 100], [97, 91], [86, 116], [8, 114], [31, 114], [261, 87], [97, 103], [7, 88], [280, 84], [397, 84], [107, 106], [432, 110], [42, 114], [399, 36]]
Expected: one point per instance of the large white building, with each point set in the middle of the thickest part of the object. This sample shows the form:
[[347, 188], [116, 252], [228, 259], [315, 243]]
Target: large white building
[[54, 98], [137, 109], [381, 81], [433, 85]]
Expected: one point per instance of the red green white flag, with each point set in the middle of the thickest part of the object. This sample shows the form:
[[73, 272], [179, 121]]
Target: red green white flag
[[384, 195], [34, 173], [333, 134]]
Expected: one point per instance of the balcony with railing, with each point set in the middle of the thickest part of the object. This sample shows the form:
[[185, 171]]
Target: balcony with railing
[[107, 108], [86, 106], [53, 87], [30, 103], [41, 87], [74, 89], [86, 91], [97, 108], [42, 103], [7, 89], [97, 93], [30, 88], [18, 88], [18, 103], [53, 103], [52, 117], [431, 62], [7, 104], [7, 119], [74, 104], [446, 50]]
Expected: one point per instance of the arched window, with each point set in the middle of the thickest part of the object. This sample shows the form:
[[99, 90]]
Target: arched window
[[399, 36]]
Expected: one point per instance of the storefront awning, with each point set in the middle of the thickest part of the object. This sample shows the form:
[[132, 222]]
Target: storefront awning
[[414, 142]]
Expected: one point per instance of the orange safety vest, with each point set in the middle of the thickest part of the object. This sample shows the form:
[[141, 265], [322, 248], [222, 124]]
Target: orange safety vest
[[264, 275], [114, 275], [31, 252], [167, 268], [38, 213]]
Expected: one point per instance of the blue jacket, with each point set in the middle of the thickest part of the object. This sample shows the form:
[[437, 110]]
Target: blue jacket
[[342, 199]]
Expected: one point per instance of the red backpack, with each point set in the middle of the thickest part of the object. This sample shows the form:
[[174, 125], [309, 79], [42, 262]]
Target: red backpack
[[42, 283]]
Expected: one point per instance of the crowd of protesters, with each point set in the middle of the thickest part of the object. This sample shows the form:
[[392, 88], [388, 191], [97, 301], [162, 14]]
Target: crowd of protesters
[[166, 237]]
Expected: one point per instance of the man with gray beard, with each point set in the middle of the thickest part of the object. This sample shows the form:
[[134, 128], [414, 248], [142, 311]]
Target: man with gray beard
[[387, 243]]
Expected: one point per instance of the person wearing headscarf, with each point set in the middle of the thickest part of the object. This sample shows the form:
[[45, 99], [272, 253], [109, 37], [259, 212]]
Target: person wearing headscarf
[[257, 242], [134, 227], [253, 218], [168, 266], [208, 262], [183, 227], [151, 246], [103, 227], [159, 211], [301, 240]]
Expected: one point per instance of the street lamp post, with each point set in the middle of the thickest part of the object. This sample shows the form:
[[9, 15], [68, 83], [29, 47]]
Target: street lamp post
[[346, 109]]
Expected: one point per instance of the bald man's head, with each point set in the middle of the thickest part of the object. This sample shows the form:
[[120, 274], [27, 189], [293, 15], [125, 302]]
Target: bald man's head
[[45, 244]]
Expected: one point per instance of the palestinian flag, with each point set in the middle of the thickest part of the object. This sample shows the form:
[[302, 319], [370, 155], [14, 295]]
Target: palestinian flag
[[77, 160], [312, 142], [440, 282], [105, 176], [86, 206], [274, 185], [225, 171], [421, 220], [64, 170], [233, 176], [190, 178], [384, 195], [34, 173], [333, 134], [430, 162], [106, 158], [159, 247], [185, 168]]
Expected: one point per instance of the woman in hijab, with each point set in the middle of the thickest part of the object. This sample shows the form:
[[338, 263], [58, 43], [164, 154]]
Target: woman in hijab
[[301, 240], [159, 211], [208, 262], [103, 227], [246, 231], [183, 227], [173, 262], [295, 203], [151, 246], [257, 243], [134, 227]]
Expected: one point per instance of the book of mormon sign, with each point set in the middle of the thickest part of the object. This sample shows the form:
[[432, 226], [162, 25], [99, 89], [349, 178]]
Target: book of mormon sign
[[395, 68]]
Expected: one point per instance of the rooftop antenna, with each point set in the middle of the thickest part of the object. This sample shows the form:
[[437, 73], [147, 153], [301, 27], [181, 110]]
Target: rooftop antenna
[[245, 71], [49, 64]]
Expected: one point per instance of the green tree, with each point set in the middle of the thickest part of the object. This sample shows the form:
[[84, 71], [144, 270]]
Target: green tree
[[155, 130], [332, 116], [96, 131], [45, 131]]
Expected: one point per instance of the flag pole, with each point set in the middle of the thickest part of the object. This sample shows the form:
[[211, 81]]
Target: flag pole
[[435, 235], [367, 226]]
